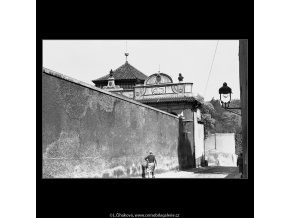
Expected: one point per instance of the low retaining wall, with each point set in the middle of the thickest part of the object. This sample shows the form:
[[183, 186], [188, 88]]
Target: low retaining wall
[[215, 158], [89, 132]]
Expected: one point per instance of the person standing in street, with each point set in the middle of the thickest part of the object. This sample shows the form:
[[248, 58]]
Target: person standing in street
[[152, 163]]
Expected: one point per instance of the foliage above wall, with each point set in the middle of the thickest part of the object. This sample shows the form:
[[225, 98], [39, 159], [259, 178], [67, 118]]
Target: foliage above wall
[[218, 120]]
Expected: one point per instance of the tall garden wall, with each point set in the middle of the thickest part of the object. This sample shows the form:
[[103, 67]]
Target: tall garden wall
[[89, 132]]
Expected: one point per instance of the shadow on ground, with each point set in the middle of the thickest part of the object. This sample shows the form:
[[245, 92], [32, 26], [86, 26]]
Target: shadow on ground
[[233, 172]]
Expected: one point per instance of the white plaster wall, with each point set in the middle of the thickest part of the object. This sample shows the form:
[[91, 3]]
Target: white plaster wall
[[210, 142], [224, 153], [225, 142], [199, 138], [199, 141]]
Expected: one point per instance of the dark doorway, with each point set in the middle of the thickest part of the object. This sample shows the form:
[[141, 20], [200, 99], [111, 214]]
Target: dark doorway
[[185, 153]]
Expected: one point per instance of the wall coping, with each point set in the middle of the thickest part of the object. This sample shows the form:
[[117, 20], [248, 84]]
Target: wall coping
[[78, 82], [163, 84]]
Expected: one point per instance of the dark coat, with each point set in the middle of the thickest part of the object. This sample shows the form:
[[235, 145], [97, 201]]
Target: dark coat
[[150, 158]]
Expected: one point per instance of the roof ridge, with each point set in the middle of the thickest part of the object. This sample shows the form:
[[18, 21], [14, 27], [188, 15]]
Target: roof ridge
[[129, 71], [125, 71], [134, 69], [139, 72], [120, 67]]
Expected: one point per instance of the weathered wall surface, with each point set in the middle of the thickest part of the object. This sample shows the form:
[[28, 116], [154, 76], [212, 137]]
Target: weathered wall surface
[[192, 135], [216, 158], [87, 132]]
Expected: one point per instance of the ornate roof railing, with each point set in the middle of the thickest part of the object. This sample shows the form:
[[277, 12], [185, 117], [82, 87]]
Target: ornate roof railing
[[170, 90]]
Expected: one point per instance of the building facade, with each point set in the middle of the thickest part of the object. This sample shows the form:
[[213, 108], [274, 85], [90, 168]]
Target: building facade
[[159, 91]]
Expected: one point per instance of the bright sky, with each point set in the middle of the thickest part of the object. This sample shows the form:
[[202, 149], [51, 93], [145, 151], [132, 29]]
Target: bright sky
[[86, 60]]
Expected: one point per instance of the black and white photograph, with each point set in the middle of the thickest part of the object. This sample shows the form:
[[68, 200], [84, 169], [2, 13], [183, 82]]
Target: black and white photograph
[[145, 109]]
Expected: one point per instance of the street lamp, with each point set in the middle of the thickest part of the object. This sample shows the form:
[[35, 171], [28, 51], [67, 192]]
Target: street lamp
[[226, 97]]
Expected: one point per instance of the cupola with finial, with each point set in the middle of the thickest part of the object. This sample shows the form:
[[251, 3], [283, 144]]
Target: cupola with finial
[[125, 76]]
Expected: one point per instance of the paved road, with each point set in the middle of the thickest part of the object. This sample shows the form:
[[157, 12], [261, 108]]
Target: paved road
[[206, 172], [189, 175]]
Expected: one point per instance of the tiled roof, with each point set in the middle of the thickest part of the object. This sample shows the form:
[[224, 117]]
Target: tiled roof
[[124, 72], [167, 99]]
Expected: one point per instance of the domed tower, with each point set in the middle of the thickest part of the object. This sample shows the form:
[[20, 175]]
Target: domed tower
[[125, 76]]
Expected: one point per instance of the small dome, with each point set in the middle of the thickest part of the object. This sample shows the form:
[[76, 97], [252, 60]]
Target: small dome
[[158, 78]]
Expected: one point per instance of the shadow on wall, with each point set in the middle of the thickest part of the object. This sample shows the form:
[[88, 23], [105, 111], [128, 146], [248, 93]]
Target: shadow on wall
[[185, 155]]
